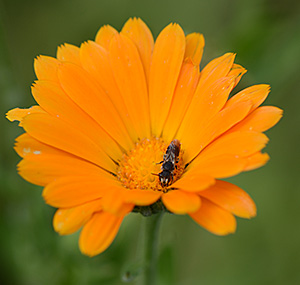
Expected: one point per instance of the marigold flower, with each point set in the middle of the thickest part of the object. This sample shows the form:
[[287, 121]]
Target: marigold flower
[[107, 112]]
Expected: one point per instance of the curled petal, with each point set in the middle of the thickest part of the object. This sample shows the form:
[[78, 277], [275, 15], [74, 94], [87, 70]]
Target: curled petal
[[216, 69], [237, 71], [99, 232], [214, 218], [181, 202], [256, 160], [232, 198], [194, 47], [69, 220]]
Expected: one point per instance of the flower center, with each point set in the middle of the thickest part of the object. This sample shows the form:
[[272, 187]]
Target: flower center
[[140, 167]]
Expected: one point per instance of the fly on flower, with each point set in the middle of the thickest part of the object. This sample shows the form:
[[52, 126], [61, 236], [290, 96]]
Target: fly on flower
[[171, 157], [106, 113]]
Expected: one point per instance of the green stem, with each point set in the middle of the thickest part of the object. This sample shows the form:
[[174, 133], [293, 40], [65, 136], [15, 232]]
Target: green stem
[[151, 247]]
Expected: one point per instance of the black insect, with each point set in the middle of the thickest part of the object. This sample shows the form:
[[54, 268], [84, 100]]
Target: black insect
[[169, 161]]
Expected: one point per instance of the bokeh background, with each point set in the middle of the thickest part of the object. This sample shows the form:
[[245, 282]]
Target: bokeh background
[[265, 250]]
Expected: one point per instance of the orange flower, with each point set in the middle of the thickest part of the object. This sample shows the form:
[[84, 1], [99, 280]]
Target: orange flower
[[107, 112]]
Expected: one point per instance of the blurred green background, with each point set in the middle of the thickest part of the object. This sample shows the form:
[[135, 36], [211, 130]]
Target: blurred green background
[[265, 250]]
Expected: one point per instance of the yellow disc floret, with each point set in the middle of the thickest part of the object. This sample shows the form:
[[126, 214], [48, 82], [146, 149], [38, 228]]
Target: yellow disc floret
[[140, 167]]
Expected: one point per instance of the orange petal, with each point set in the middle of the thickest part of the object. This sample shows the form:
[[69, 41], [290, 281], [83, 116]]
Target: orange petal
[[193, 181], [194, 142], [206, 103], [126, 208], [183, 94], [255, 94], [43, 169], [214, 218], [237, 71], [130, 77], [141, 197], [68, 53], [44, 164], [216, 69], [224, 120], [166, 63], [27, 146], [219, 167], [55, 132], [114, 201], [194, 47], [210, 96], [256, 160], [98, 233], [95, 60], [69, 220], [45, 68], [142, 37], [259, 120], [18, 114], [78, 84], [30, 171], [56, 102], [72, 191], [238, 143], [105, 35], [181, 202], [232, 198]]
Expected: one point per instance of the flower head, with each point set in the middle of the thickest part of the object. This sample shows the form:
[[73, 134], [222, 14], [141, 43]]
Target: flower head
[[124, 124]]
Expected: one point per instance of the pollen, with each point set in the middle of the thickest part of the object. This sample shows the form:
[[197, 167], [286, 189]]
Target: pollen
[[139, 168]]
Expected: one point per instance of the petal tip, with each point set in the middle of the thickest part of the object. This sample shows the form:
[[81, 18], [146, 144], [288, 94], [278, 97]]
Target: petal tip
[[10, 115]]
